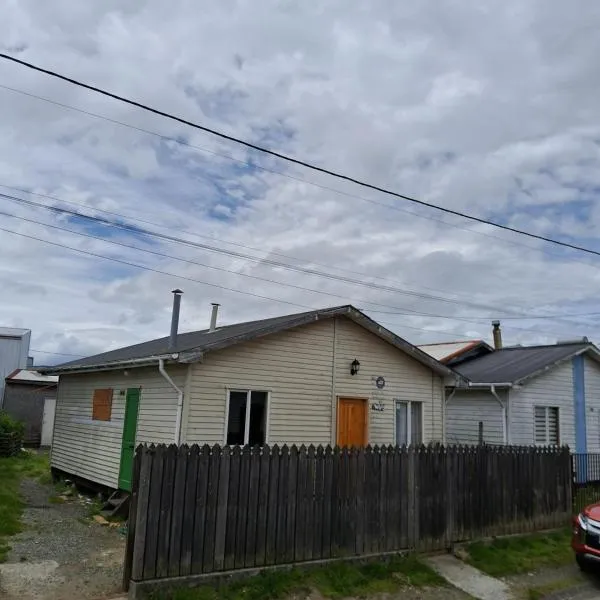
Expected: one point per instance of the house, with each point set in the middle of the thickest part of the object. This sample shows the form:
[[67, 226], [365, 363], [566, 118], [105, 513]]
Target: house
[[331, 376], [14, 351], [529, 395], [453, 353], [30, 397]]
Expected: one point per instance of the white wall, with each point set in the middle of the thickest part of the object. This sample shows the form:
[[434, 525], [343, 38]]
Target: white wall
[[553, 388], [296, 367], [92, 449], [464, 412]]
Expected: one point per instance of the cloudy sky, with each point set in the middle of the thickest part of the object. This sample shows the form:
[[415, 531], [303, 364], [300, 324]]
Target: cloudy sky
[[489, 109]]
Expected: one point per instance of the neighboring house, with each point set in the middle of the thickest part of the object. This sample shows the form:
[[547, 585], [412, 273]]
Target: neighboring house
[[453, 353], [529, 395], [320, 377], [14, 350], [30, 397]]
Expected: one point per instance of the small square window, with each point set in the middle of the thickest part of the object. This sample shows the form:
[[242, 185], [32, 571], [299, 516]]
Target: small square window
[[247, 421]]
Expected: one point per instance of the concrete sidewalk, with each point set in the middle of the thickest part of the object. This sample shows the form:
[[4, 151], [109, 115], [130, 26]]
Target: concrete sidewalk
[[468, 579]]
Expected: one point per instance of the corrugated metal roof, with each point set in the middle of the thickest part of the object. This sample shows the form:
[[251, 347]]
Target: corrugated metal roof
[[28, 375], [445, 350], [13, 332], [511, 365], [205, 340]]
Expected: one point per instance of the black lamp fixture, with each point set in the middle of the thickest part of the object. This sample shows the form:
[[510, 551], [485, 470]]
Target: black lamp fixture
[[354, 367]]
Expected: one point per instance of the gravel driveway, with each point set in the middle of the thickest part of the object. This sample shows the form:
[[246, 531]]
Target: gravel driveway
[[61, 554]]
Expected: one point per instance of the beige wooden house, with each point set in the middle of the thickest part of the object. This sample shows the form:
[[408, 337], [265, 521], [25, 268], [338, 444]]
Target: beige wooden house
[[330, 376]]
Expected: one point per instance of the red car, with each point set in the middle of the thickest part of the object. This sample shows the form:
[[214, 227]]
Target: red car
[[586, 536]]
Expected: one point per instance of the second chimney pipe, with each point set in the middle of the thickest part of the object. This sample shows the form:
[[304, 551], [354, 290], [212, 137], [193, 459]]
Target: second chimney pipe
[[175, 319], [213, 316], [497, 333]]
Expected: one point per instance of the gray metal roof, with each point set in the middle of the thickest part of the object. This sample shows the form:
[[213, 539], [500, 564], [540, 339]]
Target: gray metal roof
[[190, 346], [511, 365]]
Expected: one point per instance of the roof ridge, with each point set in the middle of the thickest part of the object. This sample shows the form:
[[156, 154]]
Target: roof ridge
[[452, 342]]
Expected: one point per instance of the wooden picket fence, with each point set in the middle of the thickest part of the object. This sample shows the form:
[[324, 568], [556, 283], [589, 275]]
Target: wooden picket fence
[[198, 510]]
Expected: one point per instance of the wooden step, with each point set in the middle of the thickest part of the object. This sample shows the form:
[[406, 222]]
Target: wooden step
[[117, 505]]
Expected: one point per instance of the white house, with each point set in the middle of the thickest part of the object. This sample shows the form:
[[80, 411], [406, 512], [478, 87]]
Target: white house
[[529, 395], [331, 376]]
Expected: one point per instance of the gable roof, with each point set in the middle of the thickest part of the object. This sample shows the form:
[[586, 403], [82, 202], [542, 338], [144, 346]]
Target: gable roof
[[31, 376], [446, 352], [191, 346], [515, 364]]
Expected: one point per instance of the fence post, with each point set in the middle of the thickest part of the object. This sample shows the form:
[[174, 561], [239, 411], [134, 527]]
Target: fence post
[[413, 503], [450, 499], [128, 562]]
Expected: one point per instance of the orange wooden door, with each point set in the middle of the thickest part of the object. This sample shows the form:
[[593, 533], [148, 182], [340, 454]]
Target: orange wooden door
[[352, 422]]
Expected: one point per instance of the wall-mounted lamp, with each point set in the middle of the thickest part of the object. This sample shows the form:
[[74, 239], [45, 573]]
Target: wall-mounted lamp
[[354, 367]]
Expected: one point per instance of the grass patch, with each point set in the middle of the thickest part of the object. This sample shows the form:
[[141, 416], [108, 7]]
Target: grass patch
[[541, 591], [336, 580], [521, 554], [56, 500], [12, 470]]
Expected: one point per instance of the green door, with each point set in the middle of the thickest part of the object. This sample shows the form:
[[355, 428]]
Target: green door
[[132, 401]]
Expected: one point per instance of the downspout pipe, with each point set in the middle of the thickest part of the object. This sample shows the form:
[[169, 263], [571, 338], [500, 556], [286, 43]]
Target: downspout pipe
[[444, 416], [161, 370], [492, 388], [495, 394]]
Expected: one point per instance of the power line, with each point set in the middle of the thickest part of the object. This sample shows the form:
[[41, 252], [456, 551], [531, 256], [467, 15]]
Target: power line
[[130, 264], [410, 293], [288, 176], [55, 353], [270, 262], [302, 180], [407, 311], [293, 160]]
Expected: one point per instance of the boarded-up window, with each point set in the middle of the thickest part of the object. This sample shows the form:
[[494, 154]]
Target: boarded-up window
[[546, 426], [102, 405]]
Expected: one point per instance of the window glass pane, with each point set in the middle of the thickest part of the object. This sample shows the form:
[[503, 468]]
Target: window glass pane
[[553, 426], [401, 423], [416, 423], [258, 418], [237, 418]]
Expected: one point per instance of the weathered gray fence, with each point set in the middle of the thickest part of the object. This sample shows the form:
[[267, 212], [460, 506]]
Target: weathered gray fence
[[10, 444], [204, 510]]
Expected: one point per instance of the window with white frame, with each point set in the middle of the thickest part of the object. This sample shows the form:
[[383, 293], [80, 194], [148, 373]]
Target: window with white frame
[[409, 423], [546, 430], [247, 417]]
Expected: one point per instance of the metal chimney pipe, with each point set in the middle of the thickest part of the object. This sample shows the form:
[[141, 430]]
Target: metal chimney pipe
[[497, 334], [175, 319], [213, 316]]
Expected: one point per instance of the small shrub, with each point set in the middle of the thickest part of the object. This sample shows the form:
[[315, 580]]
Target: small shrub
[[10, 425]]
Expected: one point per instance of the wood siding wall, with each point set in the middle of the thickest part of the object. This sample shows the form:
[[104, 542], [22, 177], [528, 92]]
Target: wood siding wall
[[92, 449], [297, 368], [464, 412], [554, 388]]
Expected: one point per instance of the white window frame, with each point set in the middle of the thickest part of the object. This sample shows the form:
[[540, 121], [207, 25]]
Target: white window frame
[[409, 404], [248, 392], [547, 424]]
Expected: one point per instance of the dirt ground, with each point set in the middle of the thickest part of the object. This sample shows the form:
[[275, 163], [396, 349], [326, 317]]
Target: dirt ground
[[61, 554]]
